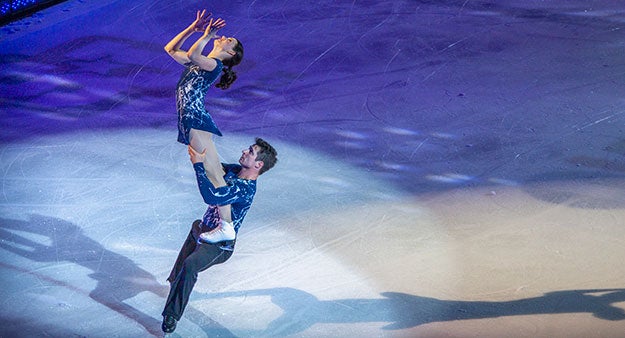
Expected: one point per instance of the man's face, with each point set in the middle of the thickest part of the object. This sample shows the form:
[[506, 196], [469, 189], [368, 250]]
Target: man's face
[[248, 158]]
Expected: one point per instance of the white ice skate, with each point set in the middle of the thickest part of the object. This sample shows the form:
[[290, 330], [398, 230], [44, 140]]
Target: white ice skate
[[225, 232]]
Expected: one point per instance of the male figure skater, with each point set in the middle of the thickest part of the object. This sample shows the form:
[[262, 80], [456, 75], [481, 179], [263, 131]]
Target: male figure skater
[[203, 247]]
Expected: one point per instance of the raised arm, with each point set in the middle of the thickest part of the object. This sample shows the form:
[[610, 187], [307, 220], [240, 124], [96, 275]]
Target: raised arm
[[173, 47], [195, 52]]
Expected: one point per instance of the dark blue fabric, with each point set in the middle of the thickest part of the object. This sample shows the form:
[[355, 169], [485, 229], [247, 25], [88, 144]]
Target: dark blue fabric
[[190, 95], [238, 192], [192, 259]]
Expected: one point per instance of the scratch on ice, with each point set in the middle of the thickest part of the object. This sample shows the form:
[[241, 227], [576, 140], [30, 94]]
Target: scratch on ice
[[599, 121]]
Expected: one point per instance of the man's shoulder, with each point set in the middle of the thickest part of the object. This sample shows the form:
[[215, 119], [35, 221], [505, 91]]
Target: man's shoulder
[[231, 167]]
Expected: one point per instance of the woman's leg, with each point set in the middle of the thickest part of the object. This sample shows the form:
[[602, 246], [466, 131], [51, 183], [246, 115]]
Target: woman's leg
[[203, 141]]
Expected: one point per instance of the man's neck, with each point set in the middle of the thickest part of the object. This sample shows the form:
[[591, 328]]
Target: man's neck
[[247, 174]]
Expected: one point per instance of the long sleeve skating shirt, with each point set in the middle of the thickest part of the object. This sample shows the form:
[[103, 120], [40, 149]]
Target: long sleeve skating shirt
[[238, 192]]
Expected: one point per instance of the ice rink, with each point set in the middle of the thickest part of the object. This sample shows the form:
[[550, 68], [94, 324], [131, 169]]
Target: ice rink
[[446, 169]]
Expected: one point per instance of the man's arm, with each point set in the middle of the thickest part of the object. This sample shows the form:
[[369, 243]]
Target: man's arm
[[212, 166], [223, 195], [214, 196], [202, 141]]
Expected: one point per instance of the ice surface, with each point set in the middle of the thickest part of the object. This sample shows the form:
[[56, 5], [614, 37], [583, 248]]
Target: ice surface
[[447, 168]]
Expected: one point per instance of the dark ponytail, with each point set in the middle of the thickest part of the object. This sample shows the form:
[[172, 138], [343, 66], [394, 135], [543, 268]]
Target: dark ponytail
[[229, 76]]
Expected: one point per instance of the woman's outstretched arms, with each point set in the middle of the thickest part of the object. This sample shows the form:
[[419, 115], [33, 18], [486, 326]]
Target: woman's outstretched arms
[[195, 52], [173, 47]]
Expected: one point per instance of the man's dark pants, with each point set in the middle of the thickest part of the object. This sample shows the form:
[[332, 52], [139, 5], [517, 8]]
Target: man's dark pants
[[192, 259]]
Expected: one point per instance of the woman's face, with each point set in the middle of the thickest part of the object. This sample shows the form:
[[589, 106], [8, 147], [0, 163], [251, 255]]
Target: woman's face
[[226, 43]]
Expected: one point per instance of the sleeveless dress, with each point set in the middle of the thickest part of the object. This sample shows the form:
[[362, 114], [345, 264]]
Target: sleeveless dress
[[190, 94]]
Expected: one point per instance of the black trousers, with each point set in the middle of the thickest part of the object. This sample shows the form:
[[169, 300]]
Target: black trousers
[[192, 259]]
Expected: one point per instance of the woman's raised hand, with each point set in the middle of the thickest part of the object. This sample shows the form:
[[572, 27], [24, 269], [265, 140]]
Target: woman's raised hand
[[201, 19], [214, 26]]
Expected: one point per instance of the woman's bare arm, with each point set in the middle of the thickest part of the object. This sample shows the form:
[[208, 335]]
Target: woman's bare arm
[[195, 52], [173, 47]]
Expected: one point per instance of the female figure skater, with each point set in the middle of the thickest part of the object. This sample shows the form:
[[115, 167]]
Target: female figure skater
[[195, 125]]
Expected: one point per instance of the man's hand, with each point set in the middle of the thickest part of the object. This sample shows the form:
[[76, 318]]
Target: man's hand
[[195, 156]]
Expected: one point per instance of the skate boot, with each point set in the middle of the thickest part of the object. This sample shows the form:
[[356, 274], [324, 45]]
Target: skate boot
[[169, 324], [224, 232]]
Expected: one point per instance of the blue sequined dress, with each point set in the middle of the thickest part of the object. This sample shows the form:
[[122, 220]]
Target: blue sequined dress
[[190, 94]]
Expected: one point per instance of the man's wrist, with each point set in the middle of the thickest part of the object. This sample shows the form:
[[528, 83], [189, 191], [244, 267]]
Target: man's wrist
[[199, 166]]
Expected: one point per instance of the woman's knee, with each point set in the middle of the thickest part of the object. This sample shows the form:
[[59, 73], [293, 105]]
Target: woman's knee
[[200, 140]]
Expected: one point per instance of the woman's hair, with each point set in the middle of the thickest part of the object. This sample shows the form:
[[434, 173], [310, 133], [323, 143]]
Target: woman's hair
[[228, 76]]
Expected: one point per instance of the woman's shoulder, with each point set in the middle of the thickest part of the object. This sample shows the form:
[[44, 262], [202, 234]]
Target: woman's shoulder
[[215, 71], [191, 66]]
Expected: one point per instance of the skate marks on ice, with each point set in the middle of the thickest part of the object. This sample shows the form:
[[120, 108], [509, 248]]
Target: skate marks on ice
[[92, 234], [57, 255], [47, 96]]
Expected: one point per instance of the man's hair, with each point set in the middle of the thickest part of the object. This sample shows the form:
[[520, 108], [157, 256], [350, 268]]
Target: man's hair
[[267, 154]]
